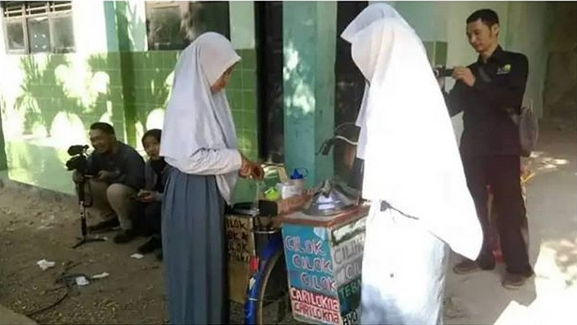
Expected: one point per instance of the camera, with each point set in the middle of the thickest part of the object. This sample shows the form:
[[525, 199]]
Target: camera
[[441, 72], [79, 161]]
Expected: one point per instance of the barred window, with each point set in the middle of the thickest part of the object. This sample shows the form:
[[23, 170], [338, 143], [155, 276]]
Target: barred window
[[172, 25], [35, 27]]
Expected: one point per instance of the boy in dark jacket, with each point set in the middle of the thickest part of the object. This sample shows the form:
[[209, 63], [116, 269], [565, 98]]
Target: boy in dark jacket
[[149, 199]]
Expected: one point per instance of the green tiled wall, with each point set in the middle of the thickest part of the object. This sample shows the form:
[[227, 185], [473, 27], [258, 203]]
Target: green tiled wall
[[123, 88], [147, 77], [242, 96], [49, 101], [436, 52], [45, 89]]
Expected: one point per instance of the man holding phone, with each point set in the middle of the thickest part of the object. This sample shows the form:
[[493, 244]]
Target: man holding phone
[[490, 92]]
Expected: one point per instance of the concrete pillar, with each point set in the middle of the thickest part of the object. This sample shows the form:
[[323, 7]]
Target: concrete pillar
[[3, 160], [242, 24], [309, 42], [89, 25], [531, 18]]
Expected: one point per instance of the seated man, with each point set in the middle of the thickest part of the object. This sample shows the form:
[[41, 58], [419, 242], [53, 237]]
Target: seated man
[[116, 173]]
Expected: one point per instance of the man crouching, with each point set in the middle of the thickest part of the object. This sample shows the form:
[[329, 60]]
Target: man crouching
[[115, 172]]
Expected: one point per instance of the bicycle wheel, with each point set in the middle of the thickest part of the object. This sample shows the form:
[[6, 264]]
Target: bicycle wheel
[[273, 305]]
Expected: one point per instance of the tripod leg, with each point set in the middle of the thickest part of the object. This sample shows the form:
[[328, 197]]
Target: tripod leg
[[83, 226], [87, 239], [81, 242]]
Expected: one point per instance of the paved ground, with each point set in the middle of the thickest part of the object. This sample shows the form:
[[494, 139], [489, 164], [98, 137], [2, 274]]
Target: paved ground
[[550, 296]]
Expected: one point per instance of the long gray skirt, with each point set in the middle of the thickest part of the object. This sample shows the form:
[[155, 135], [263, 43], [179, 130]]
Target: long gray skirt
[[193, 245], [404, 268]]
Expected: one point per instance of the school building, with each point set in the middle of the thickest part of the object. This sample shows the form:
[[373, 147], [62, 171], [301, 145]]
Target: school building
[[67, 64]]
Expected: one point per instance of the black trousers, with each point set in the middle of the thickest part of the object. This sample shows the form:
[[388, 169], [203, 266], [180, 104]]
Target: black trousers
[[146, 218], [502, 174]]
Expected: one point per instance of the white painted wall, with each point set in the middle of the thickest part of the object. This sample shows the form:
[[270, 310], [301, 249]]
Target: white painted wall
[[427, 18], [2, 42], [527, 28], [523, 29], [89, 26]]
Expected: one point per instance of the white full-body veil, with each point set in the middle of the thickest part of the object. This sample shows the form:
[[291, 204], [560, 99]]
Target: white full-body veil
[[411, 156]]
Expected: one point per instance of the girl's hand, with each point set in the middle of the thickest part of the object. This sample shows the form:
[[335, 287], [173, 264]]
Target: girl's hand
[[145, 196], [250, 169], [245, 168], [257, 172]]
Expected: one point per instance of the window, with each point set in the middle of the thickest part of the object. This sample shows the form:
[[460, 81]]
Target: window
[[34, 27], [172, 25]]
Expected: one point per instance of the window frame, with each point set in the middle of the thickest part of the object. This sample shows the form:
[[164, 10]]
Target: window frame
[[49, 10], [150, 6], [56, 15], [183, 6], [21, 18]]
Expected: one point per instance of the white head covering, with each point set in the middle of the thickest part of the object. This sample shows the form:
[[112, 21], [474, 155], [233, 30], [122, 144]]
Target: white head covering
[[411, 156], [195, 117], [368, 16]]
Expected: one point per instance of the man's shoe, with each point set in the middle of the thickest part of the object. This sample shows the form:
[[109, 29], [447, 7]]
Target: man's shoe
[[149, 246], [104, 226], [468, 266], [124, 236], [515, 281]]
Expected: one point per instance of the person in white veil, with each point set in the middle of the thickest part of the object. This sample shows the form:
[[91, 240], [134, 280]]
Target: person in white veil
[[199, 143], [366, 17], [413, 176]]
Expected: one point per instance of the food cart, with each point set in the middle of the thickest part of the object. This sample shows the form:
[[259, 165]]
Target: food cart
[[324, 262]]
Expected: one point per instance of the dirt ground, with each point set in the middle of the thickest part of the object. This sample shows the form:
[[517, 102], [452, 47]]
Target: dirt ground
[[549, 297], [34, 226]]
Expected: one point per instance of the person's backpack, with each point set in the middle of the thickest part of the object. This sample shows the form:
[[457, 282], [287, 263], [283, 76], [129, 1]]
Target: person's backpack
[[528, 130]]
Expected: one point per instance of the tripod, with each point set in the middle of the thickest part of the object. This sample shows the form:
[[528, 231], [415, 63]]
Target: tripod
[[86, 238]]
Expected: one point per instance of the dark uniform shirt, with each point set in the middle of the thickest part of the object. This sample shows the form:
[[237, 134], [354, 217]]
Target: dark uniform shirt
[[155, 175], [487, 106], [126, 163]]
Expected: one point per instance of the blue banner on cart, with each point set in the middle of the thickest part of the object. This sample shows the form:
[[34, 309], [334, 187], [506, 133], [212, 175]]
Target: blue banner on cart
[[308, 259]]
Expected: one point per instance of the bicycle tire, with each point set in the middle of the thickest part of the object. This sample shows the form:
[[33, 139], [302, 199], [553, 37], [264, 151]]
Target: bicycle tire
[[277, 260]]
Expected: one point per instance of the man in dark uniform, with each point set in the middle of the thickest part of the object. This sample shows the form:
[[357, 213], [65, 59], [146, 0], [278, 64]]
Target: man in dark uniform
[[490, 92], [117, 173]]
